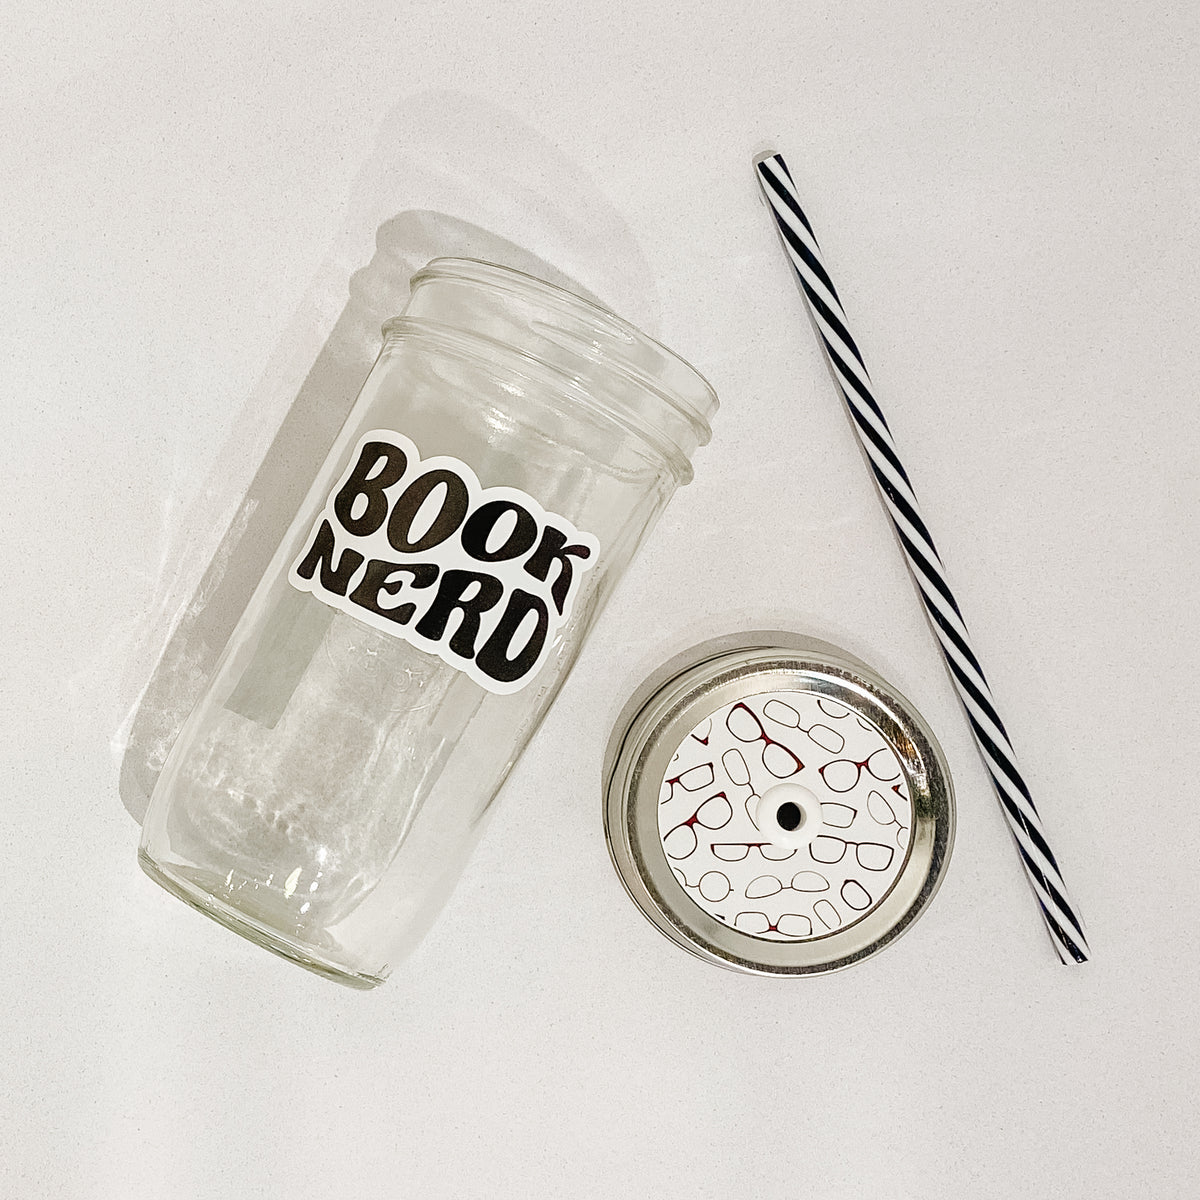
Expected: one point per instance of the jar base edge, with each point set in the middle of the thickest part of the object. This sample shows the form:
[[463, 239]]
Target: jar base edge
[[231, 918]]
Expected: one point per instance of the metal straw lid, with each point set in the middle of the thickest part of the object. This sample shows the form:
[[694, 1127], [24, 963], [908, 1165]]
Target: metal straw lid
[[772, 805]]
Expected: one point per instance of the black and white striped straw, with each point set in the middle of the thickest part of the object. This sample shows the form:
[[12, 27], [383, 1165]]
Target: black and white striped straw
[[846, 362]]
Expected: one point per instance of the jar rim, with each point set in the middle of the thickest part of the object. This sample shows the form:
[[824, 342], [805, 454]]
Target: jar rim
[[687, 388], [479, 348]]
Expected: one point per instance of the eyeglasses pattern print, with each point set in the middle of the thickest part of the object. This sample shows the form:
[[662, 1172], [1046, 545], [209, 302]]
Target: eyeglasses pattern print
[[732, 869]]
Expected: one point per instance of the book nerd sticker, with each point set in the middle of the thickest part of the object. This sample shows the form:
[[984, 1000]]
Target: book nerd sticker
[[481, 577]]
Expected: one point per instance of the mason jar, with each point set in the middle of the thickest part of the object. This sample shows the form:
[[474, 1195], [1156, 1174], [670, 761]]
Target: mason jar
[[508, 453]]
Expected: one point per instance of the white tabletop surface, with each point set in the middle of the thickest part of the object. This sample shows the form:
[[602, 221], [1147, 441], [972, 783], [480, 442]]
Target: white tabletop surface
[[1006, 196]]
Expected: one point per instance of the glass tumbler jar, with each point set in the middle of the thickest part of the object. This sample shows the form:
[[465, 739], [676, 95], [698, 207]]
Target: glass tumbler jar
[[508, 453]]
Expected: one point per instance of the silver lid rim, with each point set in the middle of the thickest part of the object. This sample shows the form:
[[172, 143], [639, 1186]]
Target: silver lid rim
[[695, 684]]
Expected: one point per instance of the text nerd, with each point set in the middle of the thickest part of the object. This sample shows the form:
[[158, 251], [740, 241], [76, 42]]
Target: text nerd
[[480, 577]]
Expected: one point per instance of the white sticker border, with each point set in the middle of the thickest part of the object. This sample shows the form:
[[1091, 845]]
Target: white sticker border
[[448, 554]]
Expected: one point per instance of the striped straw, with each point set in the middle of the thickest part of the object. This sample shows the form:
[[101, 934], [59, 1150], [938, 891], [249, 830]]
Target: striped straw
[[845, 361]]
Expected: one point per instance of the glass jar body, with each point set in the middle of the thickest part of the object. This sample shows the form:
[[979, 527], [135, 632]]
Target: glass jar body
[[508, 453]]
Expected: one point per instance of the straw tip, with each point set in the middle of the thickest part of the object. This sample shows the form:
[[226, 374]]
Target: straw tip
[[761, 156]]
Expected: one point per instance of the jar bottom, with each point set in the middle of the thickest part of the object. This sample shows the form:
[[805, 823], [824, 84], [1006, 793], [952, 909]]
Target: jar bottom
[[189, 885]]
